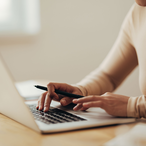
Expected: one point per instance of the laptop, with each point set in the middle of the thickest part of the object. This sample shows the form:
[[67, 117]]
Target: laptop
[[57, 119]]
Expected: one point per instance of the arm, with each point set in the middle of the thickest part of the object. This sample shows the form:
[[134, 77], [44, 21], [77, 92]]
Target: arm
[[114, 104], [118, 64], [121, 60]]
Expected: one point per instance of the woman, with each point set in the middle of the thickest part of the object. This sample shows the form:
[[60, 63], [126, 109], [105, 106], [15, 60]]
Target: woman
[[128, 51]]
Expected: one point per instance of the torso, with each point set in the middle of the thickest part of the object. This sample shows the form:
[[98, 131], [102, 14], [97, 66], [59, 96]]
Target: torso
[[139, 42]]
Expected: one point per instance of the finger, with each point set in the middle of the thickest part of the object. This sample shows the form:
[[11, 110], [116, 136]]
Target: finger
[[60, 97], [51, 92], [93, 104], [87, 99], [66, 100], [77, 107], [83, 109], [60, 86], [41, 101], [47, 102], [37, 106]]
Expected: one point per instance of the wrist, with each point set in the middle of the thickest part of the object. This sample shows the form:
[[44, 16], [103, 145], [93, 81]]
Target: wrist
[[82, 90]]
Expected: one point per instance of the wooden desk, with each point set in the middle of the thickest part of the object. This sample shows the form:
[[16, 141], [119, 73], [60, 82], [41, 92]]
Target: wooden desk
[[15, 134]]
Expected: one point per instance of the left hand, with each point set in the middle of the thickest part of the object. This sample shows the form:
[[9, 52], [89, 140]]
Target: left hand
[[113, 104]]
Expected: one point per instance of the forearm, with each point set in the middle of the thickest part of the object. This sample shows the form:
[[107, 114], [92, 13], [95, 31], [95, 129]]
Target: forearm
[[96, 83], [118, 64]]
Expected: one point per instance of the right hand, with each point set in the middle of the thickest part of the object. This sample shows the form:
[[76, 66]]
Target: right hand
[[46, 98]]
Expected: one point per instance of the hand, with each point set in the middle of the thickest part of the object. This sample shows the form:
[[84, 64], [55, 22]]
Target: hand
[[113, 104], [46, 98]]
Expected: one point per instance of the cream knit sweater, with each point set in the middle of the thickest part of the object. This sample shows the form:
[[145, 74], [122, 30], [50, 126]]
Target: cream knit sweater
[[128, 51]]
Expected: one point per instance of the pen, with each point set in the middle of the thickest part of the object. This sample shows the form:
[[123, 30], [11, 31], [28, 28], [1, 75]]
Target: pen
[[60, 92]]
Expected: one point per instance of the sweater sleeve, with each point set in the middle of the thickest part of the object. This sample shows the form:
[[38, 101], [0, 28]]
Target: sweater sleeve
[[137, 107], [120, 61], [117, 65]]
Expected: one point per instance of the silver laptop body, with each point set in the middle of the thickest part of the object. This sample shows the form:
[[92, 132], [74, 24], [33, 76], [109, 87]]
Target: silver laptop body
[[13, 106]]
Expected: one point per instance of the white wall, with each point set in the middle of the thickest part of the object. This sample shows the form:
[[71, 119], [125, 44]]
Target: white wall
[[75, 37]]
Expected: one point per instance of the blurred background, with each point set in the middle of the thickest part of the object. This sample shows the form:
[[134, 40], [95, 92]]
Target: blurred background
[[61, 40]]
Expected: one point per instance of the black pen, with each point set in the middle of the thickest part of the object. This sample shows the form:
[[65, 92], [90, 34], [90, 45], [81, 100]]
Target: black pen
[[60, 92]]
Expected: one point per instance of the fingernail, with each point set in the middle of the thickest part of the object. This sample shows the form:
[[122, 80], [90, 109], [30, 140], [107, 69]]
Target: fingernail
[[85, 104], [75, 109], [45, 109], [75, 101], [40, 108]]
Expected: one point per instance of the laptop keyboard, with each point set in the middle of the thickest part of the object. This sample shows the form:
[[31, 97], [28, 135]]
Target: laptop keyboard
[[53, 116]]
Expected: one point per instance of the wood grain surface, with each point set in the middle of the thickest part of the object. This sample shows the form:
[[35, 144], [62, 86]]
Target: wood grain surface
[[16, 134]]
